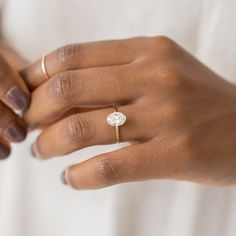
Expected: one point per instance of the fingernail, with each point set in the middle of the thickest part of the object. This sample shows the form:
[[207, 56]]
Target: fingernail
[[63, 178], [34, 151], [17, 98], [4, 152], [15, 132]]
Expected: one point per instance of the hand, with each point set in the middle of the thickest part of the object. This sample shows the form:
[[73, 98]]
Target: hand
[[14, 96], [181, 114]]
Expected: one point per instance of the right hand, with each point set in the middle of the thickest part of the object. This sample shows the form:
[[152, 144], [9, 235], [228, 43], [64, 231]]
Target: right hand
[[14, 96]]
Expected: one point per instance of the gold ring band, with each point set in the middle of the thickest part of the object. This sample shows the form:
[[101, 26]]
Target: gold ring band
[[117, 134], [44, 67], [117, 129]]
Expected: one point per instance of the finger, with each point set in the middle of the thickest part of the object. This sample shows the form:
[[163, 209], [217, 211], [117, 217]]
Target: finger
[[155, 159], [80, 56], [127, 164], [86, 88], [164, 158], [13, 91], [5, 149], [87, 129], [11, 127]]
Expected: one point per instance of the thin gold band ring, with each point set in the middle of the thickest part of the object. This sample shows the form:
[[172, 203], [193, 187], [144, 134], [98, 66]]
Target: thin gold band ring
[[43, 67], [116, 119]]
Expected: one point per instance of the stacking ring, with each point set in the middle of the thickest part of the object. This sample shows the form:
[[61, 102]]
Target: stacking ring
[[116, 119], [43, 67]]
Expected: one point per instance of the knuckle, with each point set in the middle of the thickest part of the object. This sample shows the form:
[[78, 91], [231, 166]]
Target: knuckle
[[162, 41], [80, 130], [171, 78], [176, 114], [67, 55], [167, 77], [62, 85], [163, 45], [107, 170]]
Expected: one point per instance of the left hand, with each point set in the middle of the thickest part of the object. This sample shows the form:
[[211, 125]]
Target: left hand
[[180, 112]]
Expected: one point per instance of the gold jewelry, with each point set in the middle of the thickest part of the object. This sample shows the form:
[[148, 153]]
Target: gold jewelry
[[44, 67], [116, 119]]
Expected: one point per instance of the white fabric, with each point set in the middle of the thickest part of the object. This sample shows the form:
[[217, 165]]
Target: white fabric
[[32, 199]]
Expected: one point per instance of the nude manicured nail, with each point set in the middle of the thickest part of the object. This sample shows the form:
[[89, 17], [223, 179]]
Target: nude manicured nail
[[17, 98], [63, 178], [15, 132], [4, 152], [34, 151]]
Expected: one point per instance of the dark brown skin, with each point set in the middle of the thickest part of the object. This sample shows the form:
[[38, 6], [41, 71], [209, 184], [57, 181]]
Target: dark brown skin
[[14, 96], [181, 115]]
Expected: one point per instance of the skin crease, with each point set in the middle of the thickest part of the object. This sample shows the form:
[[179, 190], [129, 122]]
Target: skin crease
[[180, 114]]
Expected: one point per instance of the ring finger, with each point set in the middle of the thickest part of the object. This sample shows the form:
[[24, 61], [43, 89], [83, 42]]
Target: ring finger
[[87, 129]]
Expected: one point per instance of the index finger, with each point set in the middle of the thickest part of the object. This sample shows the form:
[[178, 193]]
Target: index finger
[[78, 56]]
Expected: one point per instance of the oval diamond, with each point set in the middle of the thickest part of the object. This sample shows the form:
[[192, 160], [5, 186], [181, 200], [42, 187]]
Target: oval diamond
[[116, 119]]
